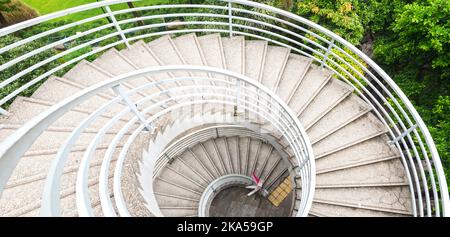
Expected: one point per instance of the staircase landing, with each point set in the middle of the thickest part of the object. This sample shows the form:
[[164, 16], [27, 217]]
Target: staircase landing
[[233, 201]]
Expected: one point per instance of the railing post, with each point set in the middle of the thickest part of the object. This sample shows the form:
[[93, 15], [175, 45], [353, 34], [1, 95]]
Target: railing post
[[403, 134], [4, 112], [169, 159], [330, 46], [118, 28], [119, 91], [230, 19], [238, 97]]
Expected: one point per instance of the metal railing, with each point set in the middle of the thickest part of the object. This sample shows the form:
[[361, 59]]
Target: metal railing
[[227, 128], [406, 128], [160, 154], [221, 91], [216, 186]]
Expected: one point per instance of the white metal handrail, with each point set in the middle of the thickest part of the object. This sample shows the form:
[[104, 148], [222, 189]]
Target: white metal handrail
[[216, 186], [118, 196], [251, 19], [14, 147]]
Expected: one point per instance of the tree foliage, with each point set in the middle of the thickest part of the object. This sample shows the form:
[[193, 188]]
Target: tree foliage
[[339, 15], [410, 40]]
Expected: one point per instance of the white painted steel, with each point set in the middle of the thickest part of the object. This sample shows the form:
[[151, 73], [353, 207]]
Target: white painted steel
[[217, 185], [59, 109], [389, 103]]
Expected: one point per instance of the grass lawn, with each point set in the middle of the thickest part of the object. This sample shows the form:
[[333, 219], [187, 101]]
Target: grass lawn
[[49, 6]]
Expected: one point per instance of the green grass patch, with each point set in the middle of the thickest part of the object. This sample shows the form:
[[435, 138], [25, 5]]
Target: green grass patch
[[49, 6]]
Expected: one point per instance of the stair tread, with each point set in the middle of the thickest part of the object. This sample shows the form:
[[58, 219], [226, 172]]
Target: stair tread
[[275, 63], [358, 172], [346, 111], [24, 109], [165, 50], [189, 48], [314, 79], [296, 68], [332, 92], [393, 199], [339, 211], [211, 46], [362, 128], [139, 54], [234, 53], [385, 172]]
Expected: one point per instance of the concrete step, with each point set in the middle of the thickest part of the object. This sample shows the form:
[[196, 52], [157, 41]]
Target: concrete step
[[233, 147], [166, 186], [294, 72], [179, 173], [380, 173], [276, 174], [396, 200], [255, 56], [256, 148], [94, 194], [223, 150], [314, 80], [130, 182], [212, 150], [189, 48], [345, 112], [84, 74], [211, 46], [200, 163], [244, 153], [88, 74], [261, 159], [186, 163], [234, 52], [67, 201], [54, 137], [19, 200], [275, 62], [143, 57], [330, 95], [369, 151], [264, 161], [365, 127], [35, 167], [175, 200], [200, 152], [24, 109], [166, 51], [57, 89], [324, 209], [115, 63], [179, 211], [269, 168]]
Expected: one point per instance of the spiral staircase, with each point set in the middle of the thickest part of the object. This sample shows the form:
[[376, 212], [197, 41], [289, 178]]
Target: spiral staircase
[[165, 125]]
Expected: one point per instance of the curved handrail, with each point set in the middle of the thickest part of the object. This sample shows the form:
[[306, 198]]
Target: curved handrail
[[55, 15], [14, 146], [217, 185], [117, 191]]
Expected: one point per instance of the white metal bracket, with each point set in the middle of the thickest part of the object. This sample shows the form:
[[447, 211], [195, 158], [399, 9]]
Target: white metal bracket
[[327, 53], [4, 112], [116, 24], [230, 19], [119, 91], [403, 134]]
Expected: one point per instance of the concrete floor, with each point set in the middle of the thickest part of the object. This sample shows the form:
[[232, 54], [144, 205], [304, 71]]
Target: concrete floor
[[233, 201]]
